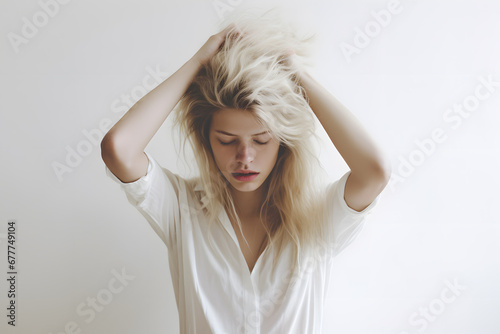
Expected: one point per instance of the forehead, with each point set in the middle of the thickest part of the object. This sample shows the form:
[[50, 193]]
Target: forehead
[[236, 121]]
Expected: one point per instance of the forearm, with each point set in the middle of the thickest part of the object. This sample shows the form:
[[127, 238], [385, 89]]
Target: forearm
[[132, 133], [346, 132]]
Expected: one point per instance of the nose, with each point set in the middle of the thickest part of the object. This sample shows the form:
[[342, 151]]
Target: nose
[[245, 154]]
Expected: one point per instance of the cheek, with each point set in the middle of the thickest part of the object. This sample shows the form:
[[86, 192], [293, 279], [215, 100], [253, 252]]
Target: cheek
[[221, 155], [271, 155]]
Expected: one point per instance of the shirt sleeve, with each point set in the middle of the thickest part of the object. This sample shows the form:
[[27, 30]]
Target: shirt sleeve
[[155, 196], [342, 223]]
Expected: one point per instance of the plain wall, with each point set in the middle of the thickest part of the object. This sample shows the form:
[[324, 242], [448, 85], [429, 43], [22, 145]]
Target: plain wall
[[436, 225]]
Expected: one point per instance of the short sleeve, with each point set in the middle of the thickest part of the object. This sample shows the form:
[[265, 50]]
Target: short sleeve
[[155, 196], [342, 223]]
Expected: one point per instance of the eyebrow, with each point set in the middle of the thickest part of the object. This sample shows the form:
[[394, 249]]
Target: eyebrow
[[230, 134]]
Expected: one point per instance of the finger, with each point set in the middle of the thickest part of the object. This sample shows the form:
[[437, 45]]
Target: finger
[[232, 30]]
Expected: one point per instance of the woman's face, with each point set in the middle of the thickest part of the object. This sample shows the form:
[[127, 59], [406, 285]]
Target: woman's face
[[239, 142]]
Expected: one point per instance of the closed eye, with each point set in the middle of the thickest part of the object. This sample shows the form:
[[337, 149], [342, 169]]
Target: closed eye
[[231, 142]]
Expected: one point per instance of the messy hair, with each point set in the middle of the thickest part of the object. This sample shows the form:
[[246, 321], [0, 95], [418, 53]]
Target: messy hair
[[250, 73]]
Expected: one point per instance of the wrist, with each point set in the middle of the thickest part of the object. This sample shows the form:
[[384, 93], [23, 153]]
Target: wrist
[[304, 78], [195, 63]]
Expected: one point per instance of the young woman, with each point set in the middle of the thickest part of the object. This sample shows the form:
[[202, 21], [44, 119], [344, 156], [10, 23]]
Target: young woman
[[250, 240]]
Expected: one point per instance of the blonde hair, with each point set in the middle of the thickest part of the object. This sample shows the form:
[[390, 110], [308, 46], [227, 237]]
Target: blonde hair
[[249, 72]]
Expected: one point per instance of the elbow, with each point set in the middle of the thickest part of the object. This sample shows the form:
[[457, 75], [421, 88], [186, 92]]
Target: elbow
[[108, 147], [114, 148], [383, 168], [379, 168]]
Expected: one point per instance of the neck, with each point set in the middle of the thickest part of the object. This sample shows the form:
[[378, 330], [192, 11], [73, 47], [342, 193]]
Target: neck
[[248, 204]]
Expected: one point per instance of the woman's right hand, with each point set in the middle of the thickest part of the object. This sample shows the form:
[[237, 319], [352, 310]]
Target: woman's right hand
[[212, 45]]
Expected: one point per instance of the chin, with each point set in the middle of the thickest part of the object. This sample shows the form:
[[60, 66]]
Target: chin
[[245, 186]]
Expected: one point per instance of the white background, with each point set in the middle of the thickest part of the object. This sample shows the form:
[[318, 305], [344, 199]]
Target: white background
[[437, 224]]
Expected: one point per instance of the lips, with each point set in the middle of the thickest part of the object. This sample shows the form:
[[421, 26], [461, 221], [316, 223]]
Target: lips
[[241, 172], [245, 176]]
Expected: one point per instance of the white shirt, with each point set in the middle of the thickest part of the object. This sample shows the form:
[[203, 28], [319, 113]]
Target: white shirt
[[215, 291]]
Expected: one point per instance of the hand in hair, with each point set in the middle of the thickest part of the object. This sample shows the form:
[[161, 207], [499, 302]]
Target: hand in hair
[[213, 44], [287, 58]]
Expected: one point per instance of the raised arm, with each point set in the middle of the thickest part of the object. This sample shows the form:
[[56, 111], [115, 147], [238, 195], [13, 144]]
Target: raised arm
[[122, 148], [370, 167]]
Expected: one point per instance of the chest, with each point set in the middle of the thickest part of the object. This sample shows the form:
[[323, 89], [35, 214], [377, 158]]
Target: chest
[[255, 234]]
